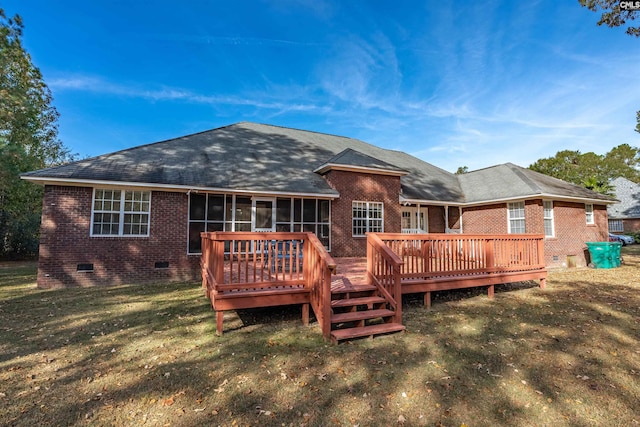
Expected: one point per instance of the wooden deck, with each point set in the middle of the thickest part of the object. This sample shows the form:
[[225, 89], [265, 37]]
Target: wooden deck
[[437, 262], [354, 297]]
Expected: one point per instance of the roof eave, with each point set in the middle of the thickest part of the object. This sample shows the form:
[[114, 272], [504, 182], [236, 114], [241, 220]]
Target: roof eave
[[558, 197], [168, 187], [404, 200], [361, 169]]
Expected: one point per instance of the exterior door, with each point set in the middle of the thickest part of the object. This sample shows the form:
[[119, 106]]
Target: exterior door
[[413, 220], [263, 218]]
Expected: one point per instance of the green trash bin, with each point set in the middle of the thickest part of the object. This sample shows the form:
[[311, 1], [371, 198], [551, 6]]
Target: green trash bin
[[605, 254]]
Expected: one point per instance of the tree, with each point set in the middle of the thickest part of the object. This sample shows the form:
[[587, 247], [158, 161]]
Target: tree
[[28, 141], [591, 170], [462, 169], [615, 13]]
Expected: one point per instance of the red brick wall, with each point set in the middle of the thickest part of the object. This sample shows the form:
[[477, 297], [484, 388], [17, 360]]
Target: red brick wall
[[363, 187], [490, 219], [571, 229], [572, 233], [631, 225], [65, 242]]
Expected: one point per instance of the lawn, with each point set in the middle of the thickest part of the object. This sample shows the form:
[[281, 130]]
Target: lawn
[[148, 355]]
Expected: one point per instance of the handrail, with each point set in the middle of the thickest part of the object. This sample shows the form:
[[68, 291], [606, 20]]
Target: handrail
[[435, 255], [319, 266], [383, 271], [236, 261]]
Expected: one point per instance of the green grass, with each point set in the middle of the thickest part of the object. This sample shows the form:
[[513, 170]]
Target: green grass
[[148, 355]]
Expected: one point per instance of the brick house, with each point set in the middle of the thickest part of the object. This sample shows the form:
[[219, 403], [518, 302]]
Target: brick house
[[624, 216], [136, 215]]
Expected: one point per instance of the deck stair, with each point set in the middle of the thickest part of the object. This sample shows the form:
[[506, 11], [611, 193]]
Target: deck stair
[[357, 311]]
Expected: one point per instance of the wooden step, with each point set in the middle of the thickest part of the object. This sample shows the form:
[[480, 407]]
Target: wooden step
[[354, 316], [365, 331], [350, 302], [340, 290]]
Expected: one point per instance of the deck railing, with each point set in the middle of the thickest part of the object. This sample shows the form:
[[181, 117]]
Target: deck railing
[[319, 266], [436, 255], [383, 271], [251, 261]]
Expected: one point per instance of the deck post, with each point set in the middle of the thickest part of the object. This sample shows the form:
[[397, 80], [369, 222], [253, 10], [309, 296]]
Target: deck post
[[204, 260], [370, 255], [427, 299], [543, 283], [490, 253], [219, 321], [218, 255], [490, 291], [540, 252], [397, 293], [326, 304], [305, 314]]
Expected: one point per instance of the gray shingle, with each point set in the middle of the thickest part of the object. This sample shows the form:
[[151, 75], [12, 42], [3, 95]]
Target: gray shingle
[[252, 157], [264, 158], [628, 193], [350, 157], [509, 181]]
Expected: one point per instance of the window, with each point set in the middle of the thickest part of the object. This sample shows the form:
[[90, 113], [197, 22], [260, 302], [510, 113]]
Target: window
[[366, 217], [120, 213], [548, 218], [588, 210], [516, 217], [616, 225], [218, 212], [308, 215]]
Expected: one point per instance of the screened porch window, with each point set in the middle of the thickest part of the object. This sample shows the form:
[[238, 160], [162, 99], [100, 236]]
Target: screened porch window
[[516, 218], [307, 215], [226, 212]]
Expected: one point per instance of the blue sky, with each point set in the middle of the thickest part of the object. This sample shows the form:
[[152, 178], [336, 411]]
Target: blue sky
[[473, 83]]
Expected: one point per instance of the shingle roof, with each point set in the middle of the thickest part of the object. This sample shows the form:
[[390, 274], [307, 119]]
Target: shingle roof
[[270, 159], [509, 181], [353, 158], [251, 157], [628, 192]]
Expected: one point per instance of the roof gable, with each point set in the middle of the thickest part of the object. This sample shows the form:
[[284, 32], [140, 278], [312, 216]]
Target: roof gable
[[350, 159]]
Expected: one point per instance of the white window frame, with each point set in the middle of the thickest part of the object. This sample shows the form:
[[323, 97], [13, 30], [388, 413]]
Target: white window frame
[[616, 225], [513, 209], [547, 209], [588, 213], [368, 222], [121, 212]]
